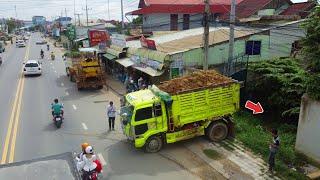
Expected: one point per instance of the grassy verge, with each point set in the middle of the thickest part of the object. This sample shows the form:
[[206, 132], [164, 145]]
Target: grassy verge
[[252, 132]]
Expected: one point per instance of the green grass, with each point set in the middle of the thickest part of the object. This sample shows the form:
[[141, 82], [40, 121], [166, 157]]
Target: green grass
[[212, 154], [252, 133]]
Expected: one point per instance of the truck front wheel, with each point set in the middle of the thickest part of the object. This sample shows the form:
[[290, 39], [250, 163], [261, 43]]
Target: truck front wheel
[[217, 131], [153, 144]]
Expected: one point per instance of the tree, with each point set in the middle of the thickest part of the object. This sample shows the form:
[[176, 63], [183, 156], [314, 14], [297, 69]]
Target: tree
[[278, 84], [311, 49], [137, 20]]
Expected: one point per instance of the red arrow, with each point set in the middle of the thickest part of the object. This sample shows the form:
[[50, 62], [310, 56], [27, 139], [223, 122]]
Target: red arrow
[[256, 108]]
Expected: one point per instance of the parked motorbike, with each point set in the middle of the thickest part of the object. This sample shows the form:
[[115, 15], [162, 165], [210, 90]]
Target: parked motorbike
[[57, 119]]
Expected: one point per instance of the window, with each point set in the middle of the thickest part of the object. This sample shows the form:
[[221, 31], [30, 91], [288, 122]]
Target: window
[[144, 113], [186, 21], [174, 22], [32, 65], [157, 110], [141, 129], [253, 47]]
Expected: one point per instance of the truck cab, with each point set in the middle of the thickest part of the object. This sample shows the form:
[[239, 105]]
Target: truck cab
[[143, 116]]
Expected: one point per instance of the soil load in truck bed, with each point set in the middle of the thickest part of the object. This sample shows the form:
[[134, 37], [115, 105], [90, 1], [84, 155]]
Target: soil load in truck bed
[[195, 81]]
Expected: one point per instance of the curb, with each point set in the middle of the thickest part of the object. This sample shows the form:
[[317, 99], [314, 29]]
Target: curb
[[113, 90]]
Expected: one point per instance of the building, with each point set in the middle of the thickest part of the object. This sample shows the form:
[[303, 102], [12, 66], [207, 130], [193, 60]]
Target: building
[[64, 21], [38, 20], [173, 15], [178, 53]]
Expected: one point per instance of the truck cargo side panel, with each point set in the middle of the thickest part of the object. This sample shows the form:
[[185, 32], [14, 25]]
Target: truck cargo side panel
[[205, 104]]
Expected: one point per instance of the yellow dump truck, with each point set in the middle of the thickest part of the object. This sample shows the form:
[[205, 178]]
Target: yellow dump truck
[[180, 109], [85, 70]]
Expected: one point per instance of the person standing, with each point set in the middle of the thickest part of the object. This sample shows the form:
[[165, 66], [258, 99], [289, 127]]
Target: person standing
[[111, 112], [274, 148]]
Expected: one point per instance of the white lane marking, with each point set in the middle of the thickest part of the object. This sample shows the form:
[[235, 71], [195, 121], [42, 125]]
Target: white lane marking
[[103, 162], [84, 126], [62, 84], [74, 107], [67, 93]]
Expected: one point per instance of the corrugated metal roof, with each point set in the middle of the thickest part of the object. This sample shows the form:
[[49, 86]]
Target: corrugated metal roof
[[187, 2], [299, 8], [191, 39], [193, 42]]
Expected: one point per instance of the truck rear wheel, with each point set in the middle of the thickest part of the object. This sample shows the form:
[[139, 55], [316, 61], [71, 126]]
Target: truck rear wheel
[[153, 144], [217, 131]]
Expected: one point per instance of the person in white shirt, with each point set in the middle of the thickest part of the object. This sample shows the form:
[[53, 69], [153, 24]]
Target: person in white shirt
[[111, 113]]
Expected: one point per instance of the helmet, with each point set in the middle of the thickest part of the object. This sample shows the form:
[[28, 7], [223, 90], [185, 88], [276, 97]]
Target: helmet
[[84, 146], [89, 150]]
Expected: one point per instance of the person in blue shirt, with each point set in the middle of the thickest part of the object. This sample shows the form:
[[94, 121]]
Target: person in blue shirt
[[57, 108]]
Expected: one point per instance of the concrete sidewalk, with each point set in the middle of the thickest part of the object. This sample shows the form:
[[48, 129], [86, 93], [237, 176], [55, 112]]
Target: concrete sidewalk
[[115, 85]]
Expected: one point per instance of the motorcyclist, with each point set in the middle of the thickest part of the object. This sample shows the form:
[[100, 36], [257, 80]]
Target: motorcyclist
[[52, 55], [88, 165], [41, 53], [48, 47], [57, 108]]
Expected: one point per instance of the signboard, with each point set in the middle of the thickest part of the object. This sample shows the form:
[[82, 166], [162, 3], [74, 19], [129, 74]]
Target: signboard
[[119, 40], [98, 36], [148, 43]]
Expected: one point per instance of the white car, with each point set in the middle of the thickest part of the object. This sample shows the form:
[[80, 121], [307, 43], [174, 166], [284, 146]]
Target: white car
[[20, 43], [32, 67]]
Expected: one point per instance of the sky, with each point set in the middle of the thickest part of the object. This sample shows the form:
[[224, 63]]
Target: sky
[[25, 9]]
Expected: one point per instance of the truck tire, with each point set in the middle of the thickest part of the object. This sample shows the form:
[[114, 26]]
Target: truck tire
[[153, 144], [100, 87], [72, 78], [217, 131]]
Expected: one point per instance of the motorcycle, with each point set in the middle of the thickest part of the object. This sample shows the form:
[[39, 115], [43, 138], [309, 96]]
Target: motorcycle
[[42, 56], [57, 119], [0, 61], [48, 48], [92, 175]]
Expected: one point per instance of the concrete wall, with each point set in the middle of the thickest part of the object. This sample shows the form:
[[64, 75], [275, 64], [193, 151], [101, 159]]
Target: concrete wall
[[161, 22], [278, 44], [308, 135]]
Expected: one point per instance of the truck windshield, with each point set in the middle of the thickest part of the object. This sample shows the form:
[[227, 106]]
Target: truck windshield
[[128, 110]]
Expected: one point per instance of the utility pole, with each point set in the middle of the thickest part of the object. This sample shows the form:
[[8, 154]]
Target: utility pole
[[74, 12], [87, 12], [231, 37], [206, 16], [122, 19], [109, 10], [78, 14], [15, 10]]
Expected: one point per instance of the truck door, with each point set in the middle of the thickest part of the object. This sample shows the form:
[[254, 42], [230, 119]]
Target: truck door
[[147, 119]]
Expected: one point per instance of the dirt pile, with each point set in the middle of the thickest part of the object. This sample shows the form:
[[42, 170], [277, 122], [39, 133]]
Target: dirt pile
[[196, 80]]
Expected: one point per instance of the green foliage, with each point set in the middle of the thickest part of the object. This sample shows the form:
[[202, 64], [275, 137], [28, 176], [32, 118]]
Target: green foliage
[[278, 85], [137, 20], [311, 49], [251, 132], [73, 54]]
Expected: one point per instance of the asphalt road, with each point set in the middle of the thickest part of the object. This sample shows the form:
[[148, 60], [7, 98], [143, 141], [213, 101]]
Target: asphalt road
[[26, 124]]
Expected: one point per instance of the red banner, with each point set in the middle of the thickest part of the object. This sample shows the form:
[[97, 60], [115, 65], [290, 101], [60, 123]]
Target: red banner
[[98, 36], [148, 43]]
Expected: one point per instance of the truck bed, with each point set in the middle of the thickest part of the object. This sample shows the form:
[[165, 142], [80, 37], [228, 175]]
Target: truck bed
[[205, 104], [200, 96], [61, 166]]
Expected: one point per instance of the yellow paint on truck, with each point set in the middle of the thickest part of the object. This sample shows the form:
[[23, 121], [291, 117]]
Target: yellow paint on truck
[[154, 113]]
